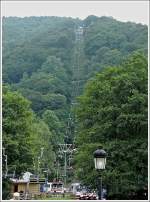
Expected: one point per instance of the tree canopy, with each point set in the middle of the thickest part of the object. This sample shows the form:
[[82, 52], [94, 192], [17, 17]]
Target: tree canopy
[[113, 114], [23, 134]]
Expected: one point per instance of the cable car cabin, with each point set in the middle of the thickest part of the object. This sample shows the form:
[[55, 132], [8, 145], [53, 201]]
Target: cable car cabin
[[55, 187]]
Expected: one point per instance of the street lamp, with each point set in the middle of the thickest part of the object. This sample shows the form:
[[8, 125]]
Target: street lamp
[[100, 162]]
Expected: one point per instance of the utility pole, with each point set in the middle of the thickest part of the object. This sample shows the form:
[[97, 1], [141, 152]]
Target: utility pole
[[42, 148], [39, 161], [65, 167], [57, 174], [14, 173], [6, 166], [38, 169], [65, 149]]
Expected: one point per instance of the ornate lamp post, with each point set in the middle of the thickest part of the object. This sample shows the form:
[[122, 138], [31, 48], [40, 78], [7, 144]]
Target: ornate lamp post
[[100, 162]]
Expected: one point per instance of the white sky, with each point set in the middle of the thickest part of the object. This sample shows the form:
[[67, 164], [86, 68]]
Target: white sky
[[135, 11]]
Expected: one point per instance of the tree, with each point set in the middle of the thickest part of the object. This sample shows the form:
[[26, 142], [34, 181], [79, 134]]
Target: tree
[[113, 113], [17, 128], [54, 124], [55, 67], [24, 135], [41, 139]]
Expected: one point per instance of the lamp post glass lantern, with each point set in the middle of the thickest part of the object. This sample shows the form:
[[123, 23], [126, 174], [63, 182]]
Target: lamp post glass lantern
[[100, 163], [100, 159]]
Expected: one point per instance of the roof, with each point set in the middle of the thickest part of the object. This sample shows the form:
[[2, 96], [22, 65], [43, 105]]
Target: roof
[[18, 180], [22, 181]]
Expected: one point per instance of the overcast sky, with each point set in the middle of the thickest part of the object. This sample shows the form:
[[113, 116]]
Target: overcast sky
[[135, 11]]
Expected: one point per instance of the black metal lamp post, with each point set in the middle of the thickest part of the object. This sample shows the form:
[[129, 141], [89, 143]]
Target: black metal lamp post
[[100, 162]]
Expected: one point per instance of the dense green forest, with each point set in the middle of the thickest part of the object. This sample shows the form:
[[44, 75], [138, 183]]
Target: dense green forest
[[113, 115], [46, 67]]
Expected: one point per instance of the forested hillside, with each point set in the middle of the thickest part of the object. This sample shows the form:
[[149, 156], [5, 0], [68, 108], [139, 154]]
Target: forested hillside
[[48, 66], [38, 55]]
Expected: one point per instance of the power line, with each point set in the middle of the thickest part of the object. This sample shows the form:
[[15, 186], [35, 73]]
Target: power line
[[66, 149]]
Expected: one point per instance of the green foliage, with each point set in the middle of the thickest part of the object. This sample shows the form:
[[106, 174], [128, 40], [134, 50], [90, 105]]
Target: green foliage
[[42, 138], [107, 42], [33, 42], [113, 112], [29, 41], [17, 120], [84, 164], [6, 189], [40, 61], [23, 134], [39, 55], [54, 124], [107, 32]]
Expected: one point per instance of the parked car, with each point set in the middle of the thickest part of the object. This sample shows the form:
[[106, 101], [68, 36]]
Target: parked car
[[87, 195]]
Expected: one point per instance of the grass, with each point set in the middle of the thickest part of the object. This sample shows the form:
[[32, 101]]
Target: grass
[[57, 197]]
